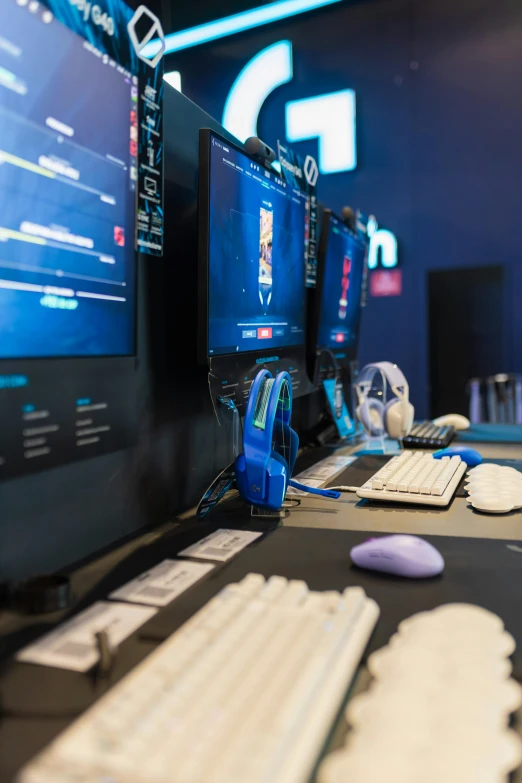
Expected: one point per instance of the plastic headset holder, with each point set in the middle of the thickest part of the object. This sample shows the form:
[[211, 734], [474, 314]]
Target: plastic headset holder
[[267, 513], [378, 390], [225, 480], [230, 406], [326, 431]]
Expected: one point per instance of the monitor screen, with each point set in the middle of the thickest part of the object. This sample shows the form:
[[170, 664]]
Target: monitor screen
[[342, 277], [258, 233], [68, 146]]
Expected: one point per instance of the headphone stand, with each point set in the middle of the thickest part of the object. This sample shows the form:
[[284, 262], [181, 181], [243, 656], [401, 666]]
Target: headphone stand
[[266, 513]]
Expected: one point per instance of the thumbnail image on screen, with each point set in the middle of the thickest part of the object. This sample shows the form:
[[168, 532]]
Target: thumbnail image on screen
[[341, 290], [256, 267], [266, 234], [68, 120]]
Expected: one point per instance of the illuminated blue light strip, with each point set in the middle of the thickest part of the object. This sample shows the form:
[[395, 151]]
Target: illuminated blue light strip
[[237, 23], [269, 69]]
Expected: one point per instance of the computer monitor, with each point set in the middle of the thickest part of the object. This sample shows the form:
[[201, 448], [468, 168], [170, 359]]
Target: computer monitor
[[68, 147], [342, 256], [253, 242]]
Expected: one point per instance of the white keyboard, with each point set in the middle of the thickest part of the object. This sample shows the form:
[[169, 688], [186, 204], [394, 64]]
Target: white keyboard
[[438, 708], [416, 477], [245, 692]]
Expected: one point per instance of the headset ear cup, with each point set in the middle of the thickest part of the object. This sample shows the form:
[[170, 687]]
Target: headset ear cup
[[397, 425], [277, 485], [393, 419], [294, 448], [242, 477], [410, 416], [371, 416]]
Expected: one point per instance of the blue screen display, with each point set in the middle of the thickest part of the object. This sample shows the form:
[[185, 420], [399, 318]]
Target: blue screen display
[[342, 285], [257, 255], [68, 120]]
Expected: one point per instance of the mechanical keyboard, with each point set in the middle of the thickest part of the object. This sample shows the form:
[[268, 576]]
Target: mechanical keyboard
[[427, 435], [438, 708], [416, 477], [245, 692]]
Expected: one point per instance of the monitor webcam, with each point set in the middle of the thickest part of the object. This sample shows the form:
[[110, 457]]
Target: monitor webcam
[[258, 149]]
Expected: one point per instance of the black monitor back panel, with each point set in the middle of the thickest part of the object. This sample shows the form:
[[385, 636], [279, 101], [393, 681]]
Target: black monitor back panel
[[60, 515]]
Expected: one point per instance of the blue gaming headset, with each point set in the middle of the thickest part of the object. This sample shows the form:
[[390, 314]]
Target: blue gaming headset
[[270, 445]]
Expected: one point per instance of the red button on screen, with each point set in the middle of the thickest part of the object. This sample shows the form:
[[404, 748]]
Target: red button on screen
[[264, 334]]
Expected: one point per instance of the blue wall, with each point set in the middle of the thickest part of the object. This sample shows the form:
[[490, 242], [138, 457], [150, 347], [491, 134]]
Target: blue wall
[[439, 129]]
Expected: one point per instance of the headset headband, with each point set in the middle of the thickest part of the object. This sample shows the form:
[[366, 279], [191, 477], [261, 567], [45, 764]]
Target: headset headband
[[257, 442], [392, 373]]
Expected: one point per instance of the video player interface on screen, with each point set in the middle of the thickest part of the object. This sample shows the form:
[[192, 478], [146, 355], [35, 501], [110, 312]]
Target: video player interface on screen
[[68, 146], [342, 284], [257, 253]]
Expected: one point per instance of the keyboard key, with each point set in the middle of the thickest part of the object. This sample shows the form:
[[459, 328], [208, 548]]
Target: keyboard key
[[416, 477]]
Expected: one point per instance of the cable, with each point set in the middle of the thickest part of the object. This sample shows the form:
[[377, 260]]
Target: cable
[[291, 503], [344, 489]]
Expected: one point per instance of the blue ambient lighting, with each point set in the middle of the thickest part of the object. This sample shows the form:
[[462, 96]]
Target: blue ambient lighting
[[269, 69], [246, 20], [331, 119]]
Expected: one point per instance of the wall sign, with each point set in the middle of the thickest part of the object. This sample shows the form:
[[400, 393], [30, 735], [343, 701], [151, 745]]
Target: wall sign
[[383, 246], [386, 282], [330, 118]]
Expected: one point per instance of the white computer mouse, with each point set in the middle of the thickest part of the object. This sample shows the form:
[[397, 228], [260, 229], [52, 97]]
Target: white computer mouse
[[453, 420]]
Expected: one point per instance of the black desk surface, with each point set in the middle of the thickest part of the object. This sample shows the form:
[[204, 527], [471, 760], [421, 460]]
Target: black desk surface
[[486, 572]]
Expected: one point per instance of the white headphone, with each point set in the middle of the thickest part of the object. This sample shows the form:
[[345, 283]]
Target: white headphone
[[396, 417]]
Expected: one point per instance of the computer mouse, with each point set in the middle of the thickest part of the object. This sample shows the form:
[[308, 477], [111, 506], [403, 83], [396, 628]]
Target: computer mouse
[[467, 455], [401, 555], [453, 420]]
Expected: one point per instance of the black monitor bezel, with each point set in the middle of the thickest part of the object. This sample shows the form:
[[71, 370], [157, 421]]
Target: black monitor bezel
[[204, 358], [315, 320]]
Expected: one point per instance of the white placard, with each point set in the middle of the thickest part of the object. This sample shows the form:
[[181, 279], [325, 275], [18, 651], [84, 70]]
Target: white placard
[[163, 583], [73, 644], [325, 469], [221, 545], [340, 460]]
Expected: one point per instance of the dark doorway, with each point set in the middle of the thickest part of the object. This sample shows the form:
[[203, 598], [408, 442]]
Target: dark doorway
[[466, 332]]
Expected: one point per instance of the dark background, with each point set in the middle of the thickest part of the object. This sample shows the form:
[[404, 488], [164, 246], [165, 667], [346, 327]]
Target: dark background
[[438, 133]]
